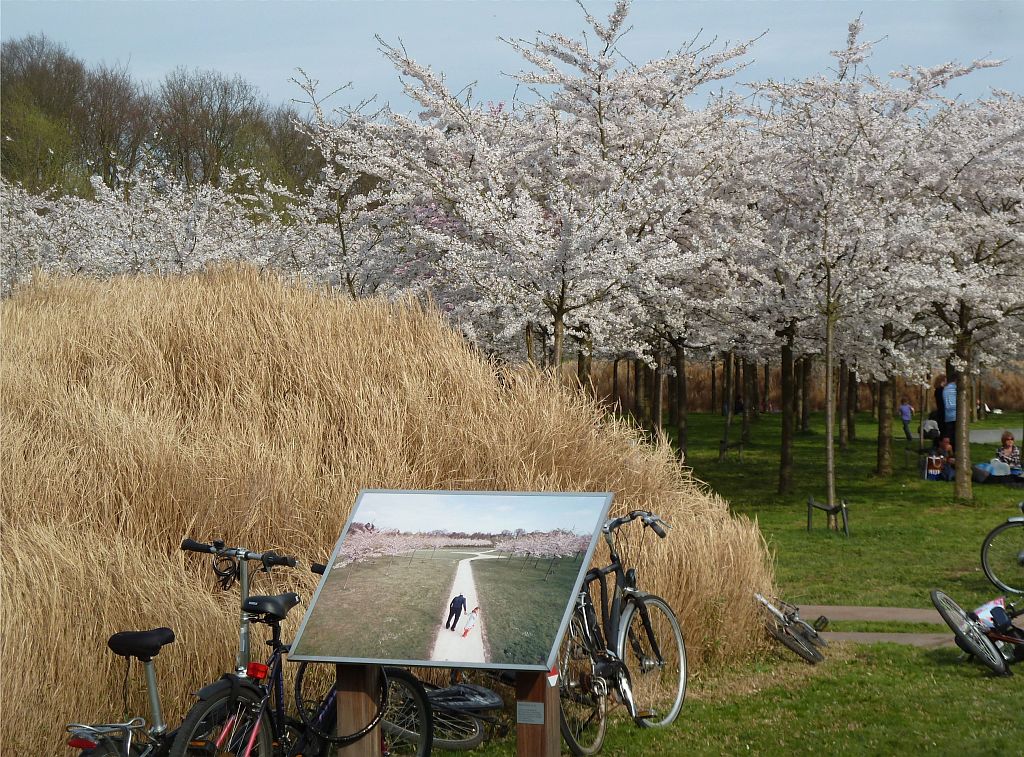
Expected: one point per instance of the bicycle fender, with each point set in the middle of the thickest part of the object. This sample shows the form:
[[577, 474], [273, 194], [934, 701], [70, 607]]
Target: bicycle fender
[[226, 683], [636, 593]]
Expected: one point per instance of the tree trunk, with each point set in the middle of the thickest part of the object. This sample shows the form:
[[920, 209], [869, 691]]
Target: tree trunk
[[746, 384], [673, 398], [853, 388], [844, 400], [873, 387], [681, 400], [962, 484], [884, 402], [530, 358], [754, 400], [714, 393], [806, 375], [788, 417], [767, 385], [727, 384], [657, 395], [556, 358], [615, 384], [639, 391], [830, 421], [728, 381], [584, 362]]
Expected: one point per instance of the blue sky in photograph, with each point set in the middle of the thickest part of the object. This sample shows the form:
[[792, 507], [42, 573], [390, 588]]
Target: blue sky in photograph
[[487, 512], [334, 41]]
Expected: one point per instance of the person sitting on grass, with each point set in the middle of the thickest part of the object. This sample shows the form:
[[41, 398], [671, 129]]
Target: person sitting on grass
[[945, 451], [1009, 452]]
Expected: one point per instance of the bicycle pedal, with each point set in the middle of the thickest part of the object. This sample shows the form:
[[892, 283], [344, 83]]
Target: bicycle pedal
[[820, 624], [646, 713]]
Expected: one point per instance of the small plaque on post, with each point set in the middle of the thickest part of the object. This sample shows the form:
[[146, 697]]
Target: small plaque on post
[[530, 713]]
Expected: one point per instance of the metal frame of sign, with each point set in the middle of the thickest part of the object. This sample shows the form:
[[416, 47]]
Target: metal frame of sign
[[566, 614]]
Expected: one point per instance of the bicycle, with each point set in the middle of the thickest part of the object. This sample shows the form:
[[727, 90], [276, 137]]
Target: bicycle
[[785, 624], [116, 739], [645, 670], [988, 636], [1002, 554], [466, 713], [244, 712]]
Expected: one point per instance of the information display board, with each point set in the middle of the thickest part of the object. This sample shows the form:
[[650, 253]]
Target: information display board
[[453, 579]]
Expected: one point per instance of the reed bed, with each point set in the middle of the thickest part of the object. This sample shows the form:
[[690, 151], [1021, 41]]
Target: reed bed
[[237, 405]]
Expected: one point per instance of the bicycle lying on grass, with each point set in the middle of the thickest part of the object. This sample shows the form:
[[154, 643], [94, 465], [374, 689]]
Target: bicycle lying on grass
[[1002, 554], [987, 634], [646, 667], [785, 624]]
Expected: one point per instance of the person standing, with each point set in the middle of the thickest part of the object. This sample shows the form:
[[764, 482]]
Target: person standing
[[906, 413], [939, 413], [471, 621], [949, 409], [455, 609]]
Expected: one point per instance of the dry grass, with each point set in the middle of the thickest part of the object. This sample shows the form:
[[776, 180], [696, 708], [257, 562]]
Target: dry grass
[[233, 405]]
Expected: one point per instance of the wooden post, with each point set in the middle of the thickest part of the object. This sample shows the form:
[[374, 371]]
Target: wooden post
[[358, 689], [537, 732]]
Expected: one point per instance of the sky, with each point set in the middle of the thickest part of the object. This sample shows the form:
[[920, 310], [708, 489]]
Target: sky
[[333, 41], [487, 513]]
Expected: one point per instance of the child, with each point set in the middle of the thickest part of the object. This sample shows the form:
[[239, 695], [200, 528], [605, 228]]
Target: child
[[906, 413], [948, 459], [471, 621]]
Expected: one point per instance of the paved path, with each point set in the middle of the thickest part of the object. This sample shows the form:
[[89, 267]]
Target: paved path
[[898, 614], [451, 645]]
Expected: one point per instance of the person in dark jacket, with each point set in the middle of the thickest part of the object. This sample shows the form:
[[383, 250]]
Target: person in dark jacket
[[455, 609]]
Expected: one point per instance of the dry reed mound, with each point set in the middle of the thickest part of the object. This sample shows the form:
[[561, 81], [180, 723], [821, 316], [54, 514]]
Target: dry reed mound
[[235, 405]]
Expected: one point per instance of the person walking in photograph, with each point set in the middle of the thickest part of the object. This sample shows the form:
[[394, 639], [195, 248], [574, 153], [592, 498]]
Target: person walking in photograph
[[949, 409], [471, 621], [455, 609], [906, 413]]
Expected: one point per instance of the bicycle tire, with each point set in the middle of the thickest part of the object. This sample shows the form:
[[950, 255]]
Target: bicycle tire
[[407, 723], [1002, 556], [806, 630], [969, 634], [202, 728], [308, 714], [655, 656], [457, 731], [582, 698]]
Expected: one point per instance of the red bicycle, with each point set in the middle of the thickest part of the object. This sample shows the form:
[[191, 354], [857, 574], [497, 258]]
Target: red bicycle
[[987, 634]]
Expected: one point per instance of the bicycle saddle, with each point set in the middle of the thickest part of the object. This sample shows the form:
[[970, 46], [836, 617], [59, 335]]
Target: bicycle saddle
[[142, 644], [273, 607]]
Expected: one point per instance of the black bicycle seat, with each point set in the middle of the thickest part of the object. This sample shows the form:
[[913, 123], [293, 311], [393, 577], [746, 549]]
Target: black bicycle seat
[[273, 607], [142, 644]]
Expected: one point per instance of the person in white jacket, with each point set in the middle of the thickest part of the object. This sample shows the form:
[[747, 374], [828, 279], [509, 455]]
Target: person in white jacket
[[470, 622]]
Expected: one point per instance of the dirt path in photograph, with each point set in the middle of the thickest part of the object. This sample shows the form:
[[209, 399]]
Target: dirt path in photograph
[[451, 645]]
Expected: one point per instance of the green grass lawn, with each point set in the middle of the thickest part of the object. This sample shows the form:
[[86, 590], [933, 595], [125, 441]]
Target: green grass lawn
[[523, 601], [908, 536], [387, 608]]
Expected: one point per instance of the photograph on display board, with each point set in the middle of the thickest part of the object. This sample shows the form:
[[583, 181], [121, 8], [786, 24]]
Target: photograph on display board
[[452, 578]]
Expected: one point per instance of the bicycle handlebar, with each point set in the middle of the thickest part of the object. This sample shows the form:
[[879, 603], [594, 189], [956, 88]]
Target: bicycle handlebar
[[319, 568], [270, 558], [649, 519]]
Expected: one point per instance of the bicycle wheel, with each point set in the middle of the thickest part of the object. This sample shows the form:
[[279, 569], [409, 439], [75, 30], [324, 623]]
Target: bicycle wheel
[[581, 694], [223, 726], [653, 650], [314, 684], [969, 634], [806, 630], [456, 730], [1002, 556], [407, 724]]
